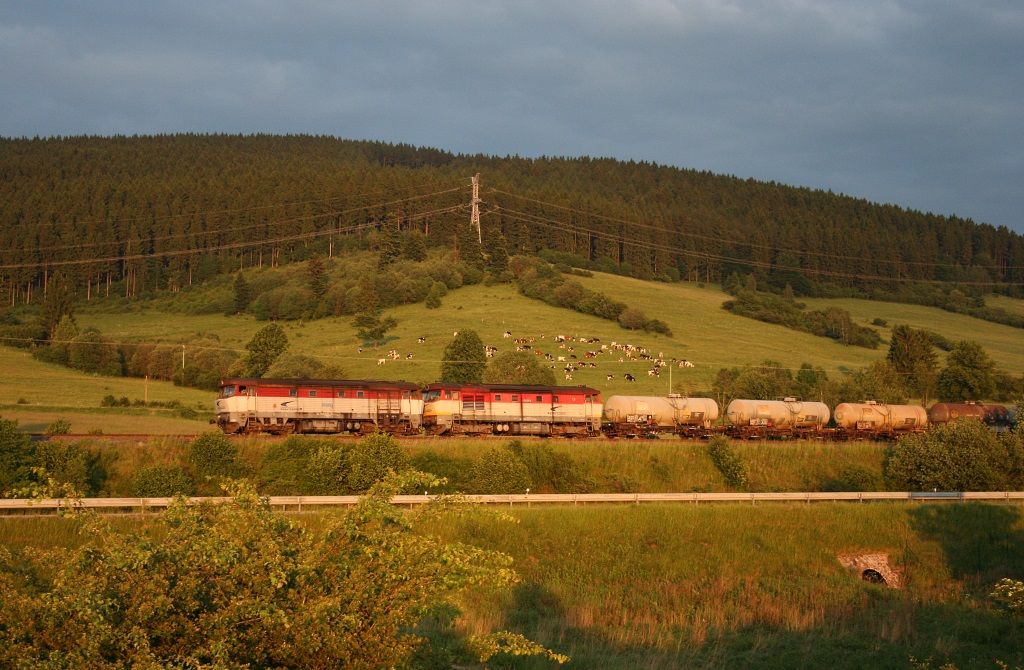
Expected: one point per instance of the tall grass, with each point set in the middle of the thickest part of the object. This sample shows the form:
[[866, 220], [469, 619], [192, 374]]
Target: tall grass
[[602, 466], [732, 585]]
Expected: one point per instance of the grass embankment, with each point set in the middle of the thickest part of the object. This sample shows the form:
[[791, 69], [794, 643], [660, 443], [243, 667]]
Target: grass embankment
[[733, 585], [598, 466], [37, 393]]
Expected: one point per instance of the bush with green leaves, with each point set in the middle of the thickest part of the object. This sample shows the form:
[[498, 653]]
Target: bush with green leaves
[[500, 470], [327, 470], [213, 455], [17, 456], [71, 464], [163, 481], [60, 426], [372, 458], [963, 455], [728, 462], [237, 585], [551, 471]]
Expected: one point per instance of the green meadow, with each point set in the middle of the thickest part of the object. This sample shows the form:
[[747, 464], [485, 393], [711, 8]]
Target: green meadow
[[703, 333]]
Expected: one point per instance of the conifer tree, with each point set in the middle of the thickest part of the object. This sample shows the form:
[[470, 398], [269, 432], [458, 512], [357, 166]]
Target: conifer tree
[[497, 252], [243, 293], [390, 247], [317, 276]]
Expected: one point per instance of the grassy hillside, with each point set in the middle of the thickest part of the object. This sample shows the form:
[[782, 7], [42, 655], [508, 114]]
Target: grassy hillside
[[1004, 343], [36, 393], [733, 585], [703, 333]]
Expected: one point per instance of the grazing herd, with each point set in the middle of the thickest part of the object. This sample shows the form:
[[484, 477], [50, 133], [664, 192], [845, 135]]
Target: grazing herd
[[566, 350]]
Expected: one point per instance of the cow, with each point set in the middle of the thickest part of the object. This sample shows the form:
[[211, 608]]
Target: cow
[[629, 377], [421, 339], [507, 334], [609, 377], [381, 361]]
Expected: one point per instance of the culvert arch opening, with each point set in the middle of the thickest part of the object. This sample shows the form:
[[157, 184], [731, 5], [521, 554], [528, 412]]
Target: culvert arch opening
[[872, 576]]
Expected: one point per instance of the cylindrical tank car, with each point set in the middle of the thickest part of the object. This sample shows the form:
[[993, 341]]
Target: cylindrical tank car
[[776, 418], [992, 415], [631, 416], [872, 418]]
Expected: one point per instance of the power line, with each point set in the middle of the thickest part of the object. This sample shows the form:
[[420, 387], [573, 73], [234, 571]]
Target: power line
[[219, 231], [745, 243], [237, 210], [232, 245], [536, 219]]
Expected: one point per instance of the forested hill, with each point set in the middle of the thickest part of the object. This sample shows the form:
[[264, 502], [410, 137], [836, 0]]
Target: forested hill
[[145, 213]]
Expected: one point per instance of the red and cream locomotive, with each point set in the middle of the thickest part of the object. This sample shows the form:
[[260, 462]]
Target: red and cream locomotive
[[477, 409], [282, 406]]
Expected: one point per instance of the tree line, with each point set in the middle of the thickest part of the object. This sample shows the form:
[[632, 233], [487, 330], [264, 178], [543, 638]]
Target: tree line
[[137, 215]]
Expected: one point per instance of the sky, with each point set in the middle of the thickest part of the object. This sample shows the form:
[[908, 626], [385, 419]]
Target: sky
[[916, 103]]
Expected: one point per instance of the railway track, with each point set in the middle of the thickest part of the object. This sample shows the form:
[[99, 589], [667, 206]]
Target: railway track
[[23, 507]]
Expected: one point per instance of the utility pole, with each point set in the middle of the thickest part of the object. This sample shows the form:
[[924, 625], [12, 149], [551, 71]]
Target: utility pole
[[474, 217]]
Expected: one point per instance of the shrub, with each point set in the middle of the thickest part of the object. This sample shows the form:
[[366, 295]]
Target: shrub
[[163, 481], [632, 318], [17, 456], [59, 427], [853, 478], [327, 471], [71, 464], [458, 472], [213, 455], [283, 468], [372, 458], [728, 462], [551, 471], [959, 456], [500, 470]]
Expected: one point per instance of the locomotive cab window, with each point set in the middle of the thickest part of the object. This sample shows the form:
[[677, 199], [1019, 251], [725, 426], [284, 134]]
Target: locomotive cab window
[[554, 398], [293, 393], [227, 392], [405, 394]]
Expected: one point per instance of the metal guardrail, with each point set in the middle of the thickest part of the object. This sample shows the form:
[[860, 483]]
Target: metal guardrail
[[145, 505]]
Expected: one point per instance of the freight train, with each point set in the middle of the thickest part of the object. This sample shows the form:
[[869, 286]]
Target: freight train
[[327, 406]]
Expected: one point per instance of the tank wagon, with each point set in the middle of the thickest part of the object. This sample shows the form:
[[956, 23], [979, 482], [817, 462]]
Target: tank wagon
[[511, 409], [640, 416], [996, 416], [789, 417], [283, 406], [874, 419]]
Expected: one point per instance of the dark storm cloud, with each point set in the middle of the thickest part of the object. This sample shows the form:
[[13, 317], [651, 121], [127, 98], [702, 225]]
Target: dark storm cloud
[[917, 103]]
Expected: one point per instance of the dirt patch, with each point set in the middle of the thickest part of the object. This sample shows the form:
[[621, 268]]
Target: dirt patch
[[872, 566]]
